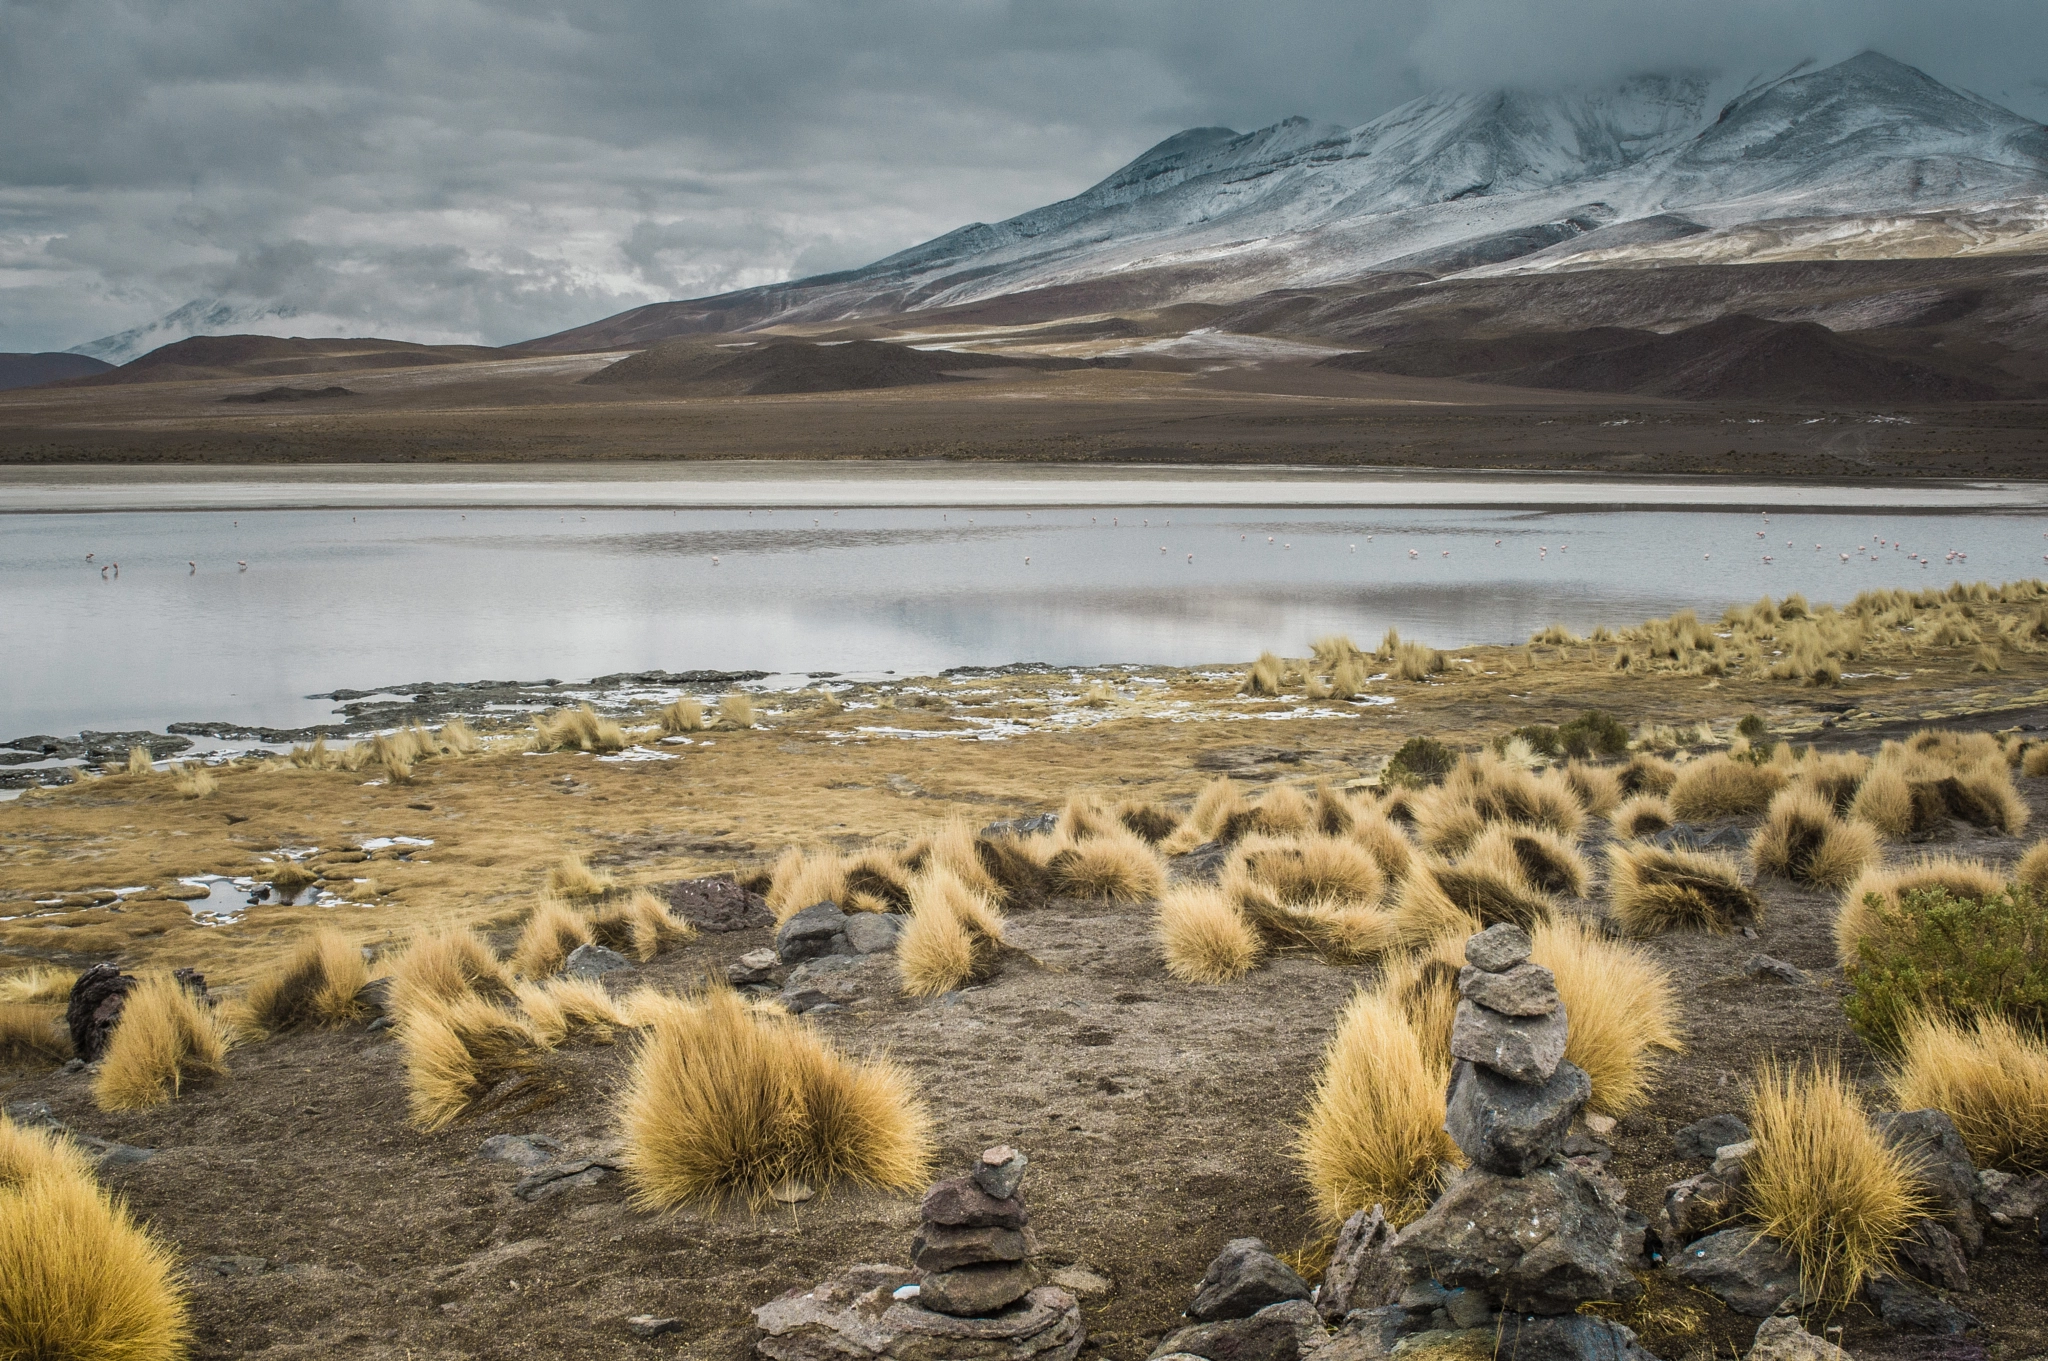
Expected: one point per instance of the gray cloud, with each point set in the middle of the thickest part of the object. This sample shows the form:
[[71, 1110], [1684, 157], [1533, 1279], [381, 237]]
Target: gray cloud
[[493, 169]]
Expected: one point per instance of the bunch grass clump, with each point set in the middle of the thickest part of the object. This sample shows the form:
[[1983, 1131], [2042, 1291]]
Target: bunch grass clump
[[1542, 859], [1989, 1076], [1116, 866], [1720, 786], [954, 936], [1340, 930], [38, 983], [1310, 868], [1264, 678], [579, 729], [1493, 890], [1647, 774], [572, 877], [1622, 1005], [1651, 891], [1597, 788], [318, 985], [1642, 816], [457, 1051], [728, 1101], [638, 926], [32, 1032], [194, 780], [166, 1038], [564, 1008], [1919, 785], [684, 715], [551, 934], [1802, 839], [1203, 936], [736, 710], [441, 966]]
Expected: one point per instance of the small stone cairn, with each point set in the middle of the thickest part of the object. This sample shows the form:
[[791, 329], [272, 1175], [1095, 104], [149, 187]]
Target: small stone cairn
[[974, 1247]]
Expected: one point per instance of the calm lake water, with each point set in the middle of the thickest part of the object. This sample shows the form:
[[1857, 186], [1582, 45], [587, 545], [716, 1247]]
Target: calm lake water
[[363, 579]]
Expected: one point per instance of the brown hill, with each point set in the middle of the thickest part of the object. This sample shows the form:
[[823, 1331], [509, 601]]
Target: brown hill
[[1735, 358], [200, 357], [708, 369], [30, 370]]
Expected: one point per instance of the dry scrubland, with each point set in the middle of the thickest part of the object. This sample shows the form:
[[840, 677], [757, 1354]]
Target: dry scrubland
[[1209, 992]]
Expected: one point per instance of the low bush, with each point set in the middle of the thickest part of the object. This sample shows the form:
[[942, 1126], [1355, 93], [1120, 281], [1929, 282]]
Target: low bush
[[1419, 761], [1878, 890], [1593, 733], [1964, 958], [1989, 1076], [166, 1038]]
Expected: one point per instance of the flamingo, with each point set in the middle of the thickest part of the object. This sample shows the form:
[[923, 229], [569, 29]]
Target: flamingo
[[1162, 548], [191, 564], [714, 560], [241, 563], [1191, 557], [1027, 562], [1411, 553], [88, 557], [1447, 552], [1706, 555]]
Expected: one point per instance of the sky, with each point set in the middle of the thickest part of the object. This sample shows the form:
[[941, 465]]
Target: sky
[[491, 170]]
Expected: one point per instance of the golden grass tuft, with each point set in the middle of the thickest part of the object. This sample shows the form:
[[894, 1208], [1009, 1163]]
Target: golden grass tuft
[[139, 762], [803, 879], [1423, 912], [1597, 788], [1264, 678], [1203, 936], [441, 966], [1388, 845], [954, 936], [683, 716], [166, 1038], [1719, 786], [1219, 804], [579, 729], [1916, 786], [1801, 839], [194, 780], [639, 927], [1647, 774], [1311, 868], [1373, 1133], [1641, 816], [564, 1008], [316, 986], [1823, 1182], [38, 983], [1342, 931], [1989, 1076], [727, 1101], [2034, 764], [32, 1032], [572, 877], [551, 932], [1855, 918], [1651, 891], [1836, 776], [736, 710], [79, 1279], [1544, 860], [1149, 822], [1115, 866], [1493, 890], [1502, 792], [1621, 1005], [1446, 820], [457, 1050], [2032, 869]]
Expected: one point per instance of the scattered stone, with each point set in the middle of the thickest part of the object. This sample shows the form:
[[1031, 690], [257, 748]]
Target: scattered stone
[[791, 1191], [647, 1325], [755, 966], [1498, 948], [382, 1023], [233, 1266], [797, 1001], [34, 1115], [1695, 1207], [1469, 1309], [819, 929], [1524, 1048], [1697, 836], [94, 1008], [72, 1067], [1203, 864], [1512, 1127], [374, 997], [1750, 1273], [1782, 1338], [112, 1153], [1285, 1331], [1527, 989], [1581, 1142], [1079, 1281], [1001, 1171], [718, 905], [1243, 1279], [1542, 1243], [1571, 1337], [1034, 825], [1939, 1157], [1763, 966], [873, 933], [521, 1150], [547, 1182], [1906, 1305], [959, 1202], [2009, 1201], [1933, 1254], [1601, 1125], [592, 960], [1361, 1273], [857, 1317], [1702, 1137]]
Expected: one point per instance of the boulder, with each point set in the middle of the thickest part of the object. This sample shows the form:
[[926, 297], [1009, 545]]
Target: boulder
[[1903, 1304], [1527, 989], [1783, 1338], [1243, 1279], [978, 1290], [856, 1317], [940, 1247], [1695, 1207], [1524, 1048], [1369, 1335], [873, 933], [1512, 1127], [1286, 1331], [1748, 1272], [2010, 1201], [1361, 1272], [94, 1008], [1001, 1170], [1703, 1138], [1938, 1156], [1542, 1243], [374, 997], [819, 929], [958, 1202], [1932, 1254], [592, 960], [1698, 836], [1498, 948], [755, 966]]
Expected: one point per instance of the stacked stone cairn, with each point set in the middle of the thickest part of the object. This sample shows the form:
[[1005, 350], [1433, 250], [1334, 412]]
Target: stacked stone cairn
[[974, 1246]]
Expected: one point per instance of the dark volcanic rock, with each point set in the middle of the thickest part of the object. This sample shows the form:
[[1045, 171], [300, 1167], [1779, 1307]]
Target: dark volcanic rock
[[1572, 1337], [1286, 1331], [1524, 1048], [973, 1291], [1512, 1127], [958, 1202], [819, 929], [1702, 1137], [718, 905], [1903, 1304], [1527, 989], [1752, 1274], [1243, 1279], [94, 1008], [1361, 1273], [1933, 1254], [1934, 1148], [1498, 948]]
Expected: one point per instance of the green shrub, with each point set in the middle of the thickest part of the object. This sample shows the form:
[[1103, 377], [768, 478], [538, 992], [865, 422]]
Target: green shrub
[[1421, 760], [1593, 733], [1541, 737], [1956, 957], [1751, 727]]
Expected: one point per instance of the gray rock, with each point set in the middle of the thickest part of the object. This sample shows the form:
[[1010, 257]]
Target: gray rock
[[1203, 864], [1285, 1331], [855, 1317], [1541, 1244], [647, 1325], [1695, 1207], [112, 1153], [1932, 1254], [1527, 989], [1498, 948], [959, 1203], [976, 1291], [34, 1115], [232, 1266], [1763, 966], [755, 966], [1001, 1170], [941, 1247], [1750, 1273], [547, 1182], [2011, 1201], [1698, 836], [72, 1067], [374, 997], [591, 960], [873, 933], [1524, 1048], [810, 933], [797, 1001], [1903, 1304], [1572, 1337], [521, 1150], [1368, 1335], [1469, 1309], [1034, 825], [1361, 1272], [1581, 1142], [1701, 1138], [1243, 1279], [1940, 1158], [1512, 1127], [1783, 1338]]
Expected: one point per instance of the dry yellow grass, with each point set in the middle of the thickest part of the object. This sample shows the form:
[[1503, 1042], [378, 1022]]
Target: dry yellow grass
[[1373, 1133], [457, 1050], [580, 729], [1424, 983], [38, 983], [2032, 869], [1990, 1077], [1388, 845], [1651, 891], [956, 847], [32, 1032], [1446, 820], [1647, 774], [1492, 890], [1423, 911], [1203, 937], [1621, 1005], [572, 877], [1917, 785], [729, 1101], [2034, 763], [317, 986], [1150, 822], [194, 780], [1823, 1182], [1643, 815], [954, 936], [1499, 791], [638, 926], [138, 762], [878, 880], [1116, 866], [1342, 931], [1719, 786], [1217, 804], [1083, 816], [1836, 776], [683, 716], [803, 879], [564, 1008], [440, 966], [1959, 877], [79, 1279], [1544, 860], [1801, 839], [1597, 788], [736, 710], [1311, 868], [166, 1038], [551, 932], [1264, 678]]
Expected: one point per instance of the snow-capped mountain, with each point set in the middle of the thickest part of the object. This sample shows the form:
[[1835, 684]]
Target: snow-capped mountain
[[1661, 168], [201, 317]]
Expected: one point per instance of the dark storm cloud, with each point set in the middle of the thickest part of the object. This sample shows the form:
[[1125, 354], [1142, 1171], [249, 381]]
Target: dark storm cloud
[[492, 169]]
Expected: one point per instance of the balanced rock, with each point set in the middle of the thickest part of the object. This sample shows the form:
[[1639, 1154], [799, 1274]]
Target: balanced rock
[[1748, 1272], [973, 1245], [978, 1288], [941, 1247], [1498, 948], [1001, 1170], [1783, 1338], [1524, 1048], [1527, 989], [958, 1202], [1243, 1279], [1512, 1127]]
